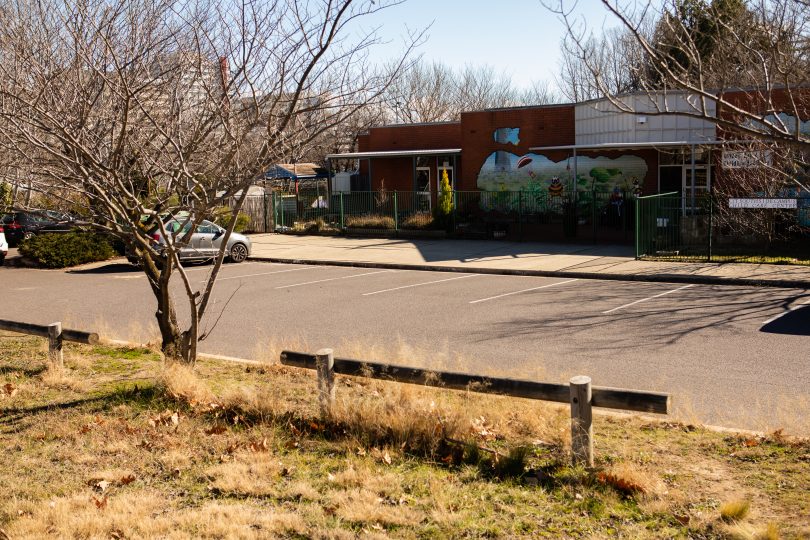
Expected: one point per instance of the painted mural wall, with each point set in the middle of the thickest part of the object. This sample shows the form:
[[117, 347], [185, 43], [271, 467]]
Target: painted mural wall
[[506, 171]]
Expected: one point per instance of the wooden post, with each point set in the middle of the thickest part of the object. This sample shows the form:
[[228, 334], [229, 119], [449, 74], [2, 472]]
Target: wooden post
[[325, 363], [581, 424], [55, 345]]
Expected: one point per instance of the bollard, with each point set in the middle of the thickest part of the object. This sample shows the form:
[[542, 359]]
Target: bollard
[[325, 363], [581, 420], [55, 345]]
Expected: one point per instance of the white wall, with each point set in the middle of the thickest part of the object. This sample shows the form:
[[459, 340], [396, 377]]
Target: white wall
[[600, 122]]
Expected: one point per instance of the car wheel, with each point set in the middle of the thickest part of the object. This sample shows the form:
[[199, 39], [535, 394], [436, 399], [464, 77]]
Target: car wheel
[[238, 253]]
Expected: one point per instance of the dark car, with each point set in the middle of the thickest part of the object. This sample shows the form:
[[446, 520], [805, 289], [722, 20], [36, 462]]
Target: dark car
[[23, 225]]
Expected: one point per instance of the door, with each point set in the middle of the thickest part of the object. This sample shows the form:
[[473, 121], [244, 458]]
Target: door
[[423, 188], [206, 240], [702, 186], [442, 169]]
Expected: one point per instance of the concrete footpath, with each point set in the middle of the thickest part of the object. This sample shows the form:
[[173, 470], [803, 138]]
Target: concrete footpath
[[517, 258]]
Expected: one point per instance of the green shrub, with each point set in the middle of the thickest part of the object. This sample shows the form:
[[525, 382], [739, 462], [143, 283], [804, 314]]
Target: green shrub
[[60, 250], [444, 208], [222, 217]]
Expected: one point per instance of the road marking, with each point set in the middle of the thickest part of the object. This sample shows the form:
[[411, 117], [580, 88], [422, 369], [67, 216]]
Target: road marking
[[420, 284], [333, 279], [788, 310], [523, 291], [648, 298], [264, 273], [25, 288], [188, 270]]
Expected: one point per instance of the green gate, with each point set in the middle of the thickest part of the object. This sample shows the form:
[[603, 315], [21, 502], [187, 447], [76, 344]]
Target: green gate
[[658, 226]]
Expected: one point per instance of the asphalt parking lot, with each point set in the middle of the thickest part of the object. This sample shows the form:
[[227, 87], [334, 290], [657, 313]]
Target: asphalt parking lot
[[724, 352]]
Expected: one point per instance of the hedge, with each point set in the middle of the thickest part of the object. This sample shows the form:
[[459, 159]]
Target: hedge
[[60, 250]]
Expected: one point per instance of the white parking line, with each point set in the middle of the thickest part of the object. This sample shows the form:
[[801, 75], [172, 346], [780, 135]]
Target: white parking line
[[648, 298], [266, 273], [420, 284], [188, 270], [788, 310], [523, 291], [333, 279]]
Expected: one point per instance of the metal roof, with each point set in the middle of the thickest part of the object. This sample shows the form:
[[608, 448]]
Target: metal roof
[[396, 153]]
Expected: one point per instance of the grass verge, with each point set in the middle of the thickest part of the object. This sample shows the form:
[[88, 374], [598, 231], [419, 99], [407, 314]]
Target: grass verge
[[120, 446]]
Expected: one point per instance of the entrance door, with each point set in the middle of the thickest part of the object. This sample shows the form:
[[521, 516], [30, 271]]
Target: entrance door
[[423, 188], [702, 185], [449, 170]]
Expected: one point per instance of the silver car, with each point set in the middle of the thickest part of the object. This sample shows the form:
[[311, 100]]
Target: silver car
[[204, 244]]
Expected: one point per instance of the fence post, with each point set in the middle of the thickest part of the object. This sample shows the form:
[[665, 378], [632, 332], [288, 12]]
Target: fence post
[[638, 225], [520, 215], [455, 210], [594, 212], [283, 223], [325, 364], [396, 216], [341, 212], [55, 345], [264, 199], [711, 224], [581, 420]]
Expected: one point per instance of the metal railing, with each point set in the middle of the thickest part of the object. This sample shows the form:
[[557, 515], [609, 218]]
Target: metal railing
[[586, 214], [714, 231]]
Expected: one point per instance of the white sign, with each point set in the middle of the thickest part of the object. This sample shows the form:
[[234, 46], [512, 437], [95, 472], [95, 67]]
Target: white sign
[[762, 203], [745, 159]]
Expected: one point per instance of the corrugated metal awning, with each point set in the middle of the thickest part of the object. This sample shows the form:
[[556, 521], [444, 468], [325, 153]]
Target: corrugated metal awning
[[397, 153]]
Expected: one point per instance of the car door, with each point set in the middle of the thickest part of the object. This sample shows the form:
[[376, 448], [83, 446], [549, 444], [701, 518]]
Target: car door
[[204, 239]]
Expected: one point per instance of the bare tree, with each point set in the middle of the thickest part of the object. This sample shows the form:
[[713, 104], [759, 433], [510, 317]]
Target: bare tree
[[154, 112], [706, 49], [433, 92]]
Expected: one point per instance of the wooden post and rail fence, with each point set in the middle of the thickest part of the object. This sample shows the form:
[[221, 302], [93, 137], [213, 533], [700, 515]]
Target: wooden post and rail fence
[[55, 334], [578, 393]]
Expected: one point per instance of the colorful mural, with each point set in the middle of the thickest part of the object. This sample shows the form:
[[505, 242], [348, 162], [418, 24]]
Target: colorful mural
[[504, 171], [507, 136]]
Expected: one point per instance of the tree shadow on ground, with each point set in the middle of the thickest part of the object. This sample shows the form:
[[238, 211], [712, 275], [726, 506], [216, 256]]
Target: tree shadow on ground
[[795, 323]]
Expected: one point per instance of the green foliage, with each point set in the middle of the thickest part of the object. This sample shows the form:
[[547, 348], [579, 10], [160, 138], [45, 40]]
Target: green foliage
[[60, 250], [444, 208], [6, 194], [223, 216], [445, 195]]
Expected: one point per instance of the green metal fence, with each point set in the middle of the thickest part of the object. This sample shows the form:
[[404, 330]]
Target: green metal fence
[[575, 215], [667, 228]]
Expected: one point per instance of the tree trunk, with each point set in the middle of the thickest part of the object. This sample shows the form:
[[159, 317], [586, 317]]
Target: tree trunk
[[176, 345]]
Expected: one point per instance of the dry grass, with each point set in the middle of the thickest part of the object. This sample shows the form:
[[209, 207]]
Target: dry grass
[[735, 510], [370, 222], [234, 451]]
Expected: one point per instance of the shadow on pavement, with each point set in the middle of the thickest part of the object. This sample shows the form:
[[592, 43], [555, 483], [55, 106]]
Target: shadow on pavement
[[794, 323], [111, 268]]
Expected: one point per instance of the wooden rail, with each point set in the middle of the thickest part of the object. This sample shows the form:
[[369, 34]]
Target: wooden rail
[[55, 334], [579, 393]]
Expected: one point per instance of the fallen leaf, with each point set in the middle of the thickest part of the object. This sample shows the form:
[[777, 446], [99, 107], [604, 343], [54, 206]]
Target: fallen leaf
[[259, 446], [101, 503], [751, 442], [387, 457], [127, 479], [216, 430], [361, 451], [8, 390]]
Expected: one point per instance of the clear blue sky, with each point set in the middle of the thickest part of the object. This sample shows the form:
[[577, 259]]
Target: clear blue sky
[[518, 37]]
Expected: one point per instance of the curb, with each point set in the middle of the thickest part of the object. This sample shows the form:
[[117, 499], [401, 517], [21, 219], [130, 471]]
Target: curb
[[652, 278]]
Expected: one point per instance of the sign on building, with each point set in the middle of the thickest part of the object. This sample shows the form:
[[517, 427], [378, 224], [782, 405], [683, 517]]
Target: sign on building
[[762, 203], [745, 159]]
